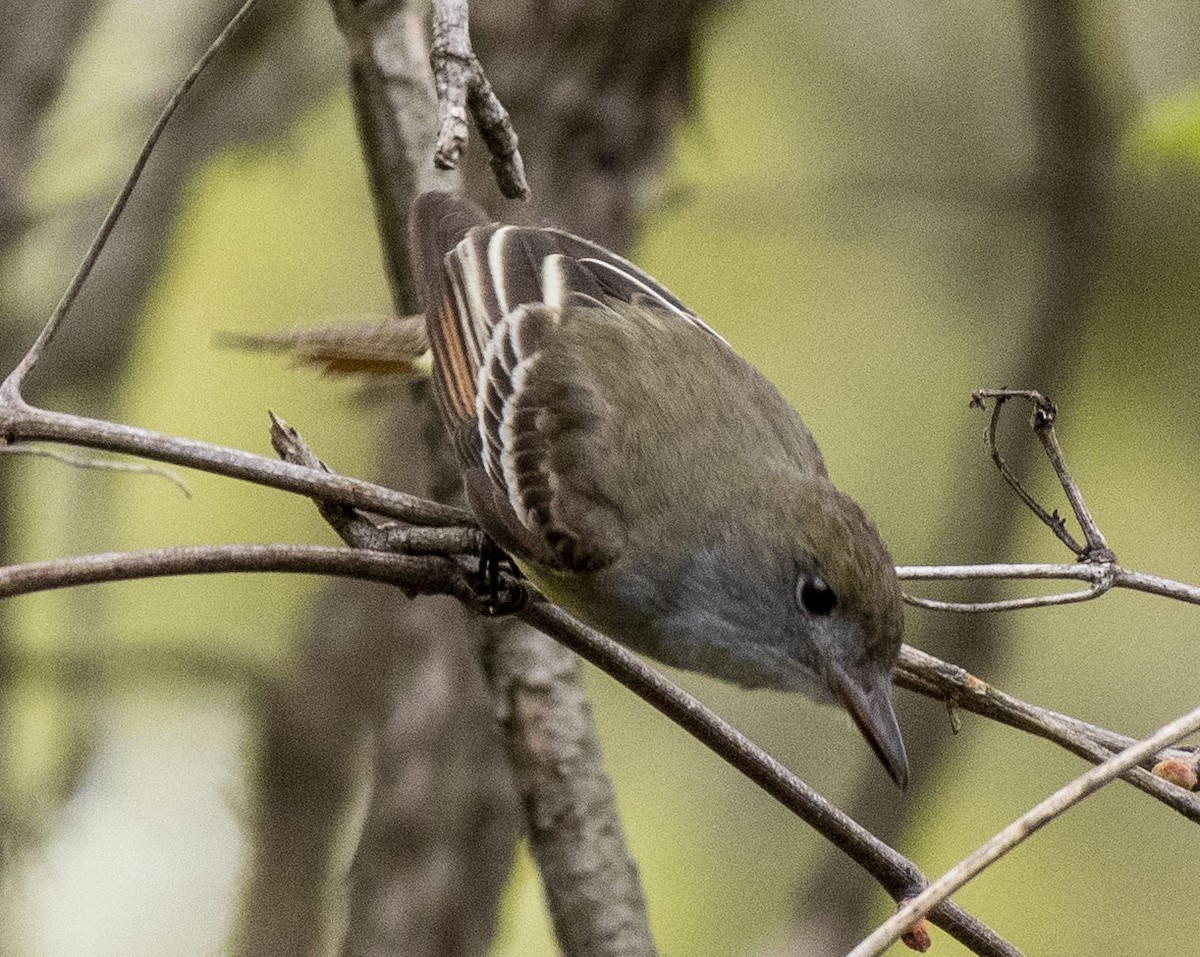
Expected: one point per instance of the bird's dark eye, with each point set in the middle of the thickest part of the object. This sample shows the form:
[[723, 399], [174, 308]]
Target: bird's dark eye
[[816, 597]]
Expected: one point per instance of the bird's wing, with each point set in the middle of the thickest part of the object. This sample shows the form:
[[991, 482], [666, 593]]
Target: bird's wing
[[494, 297]]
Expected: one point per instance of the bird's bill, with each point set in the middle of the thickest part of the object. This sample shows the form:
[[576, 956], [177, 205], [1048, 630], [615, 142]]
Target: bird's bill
[[872, 711]]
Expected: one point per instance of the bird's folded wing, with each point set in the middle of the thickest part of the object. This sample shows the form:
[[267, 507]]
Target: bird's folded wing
[[494, 297]]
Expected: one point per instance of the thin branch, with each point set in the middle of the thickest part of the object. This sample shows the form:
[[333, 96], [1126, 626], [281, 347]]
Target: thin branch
[[898, 875], [20, 421], [1102, 577], [98, 465], [463, 86], [943, 681], [1042, 422], [1053, 521], [11, 386], [1011, 604], [425, 574], [1024, 827]]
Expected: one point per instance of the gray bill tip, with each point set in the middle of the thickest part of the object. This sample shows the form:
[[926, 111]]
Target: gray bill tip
[[872, 711]]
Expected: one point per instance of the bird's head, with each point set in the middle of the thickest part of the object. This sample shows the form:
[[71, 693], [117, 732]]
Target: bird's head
[[849, 614], [836, 616]]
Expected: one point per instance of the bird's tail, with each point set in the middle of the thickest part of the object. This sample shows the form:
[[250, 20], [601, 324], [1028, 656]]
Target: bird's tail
[[437, 224]]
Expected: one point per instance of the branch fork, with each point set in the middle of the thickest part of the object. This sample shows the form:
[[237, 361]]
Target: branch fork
[[1095, 549], [463, 88], [1095, 563]]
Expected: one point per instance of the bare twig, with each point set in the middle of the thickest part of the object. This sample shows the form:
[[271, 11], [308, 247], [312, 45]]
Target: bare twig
[[426, 574], [898, 876], [941, 680], [1025, 826], [1101, 576], [1042, 422], [12, 385], [1098, 562], [99, 465], [20, 421], [461, 86]]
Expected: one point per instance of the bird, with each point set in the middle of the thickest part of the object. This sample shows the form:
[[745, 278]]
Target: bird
[[646, 478]]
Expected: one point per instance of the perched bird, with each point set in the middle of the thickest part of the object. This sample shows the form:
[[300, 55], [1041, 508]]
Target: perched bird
[[646, 478]]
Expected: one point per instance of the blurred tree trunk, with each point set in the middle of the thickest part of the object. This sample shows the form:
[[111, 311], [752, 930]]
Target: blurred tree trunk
[[35, 49], [37, 45], [595, 92]]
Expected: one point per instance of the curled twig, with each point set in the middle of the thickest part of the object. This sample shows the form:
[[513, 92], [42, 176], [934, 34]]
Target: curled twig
[[1042, 421], [463, 86], [1097, 562]]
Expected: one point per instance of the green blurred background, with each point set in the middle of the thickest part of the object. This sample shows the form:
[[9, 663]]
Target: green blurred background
[[845, 206]]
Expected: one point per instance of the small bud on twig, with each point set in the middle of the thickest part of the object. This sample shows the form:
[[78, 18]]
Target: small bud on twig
[[1178, 772], [917, 936]]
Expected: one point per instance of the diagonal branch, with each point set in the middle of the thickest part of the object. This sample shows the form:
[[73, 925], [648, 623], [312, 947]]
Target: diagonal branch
[[20, 421], [941, 680], [1024, 827], [11, 387], [894, 872]]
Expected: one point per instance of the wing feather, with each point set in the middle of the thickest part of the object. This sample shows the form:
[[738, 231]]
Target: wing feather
[[494, 295]]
